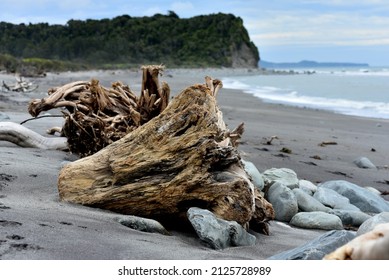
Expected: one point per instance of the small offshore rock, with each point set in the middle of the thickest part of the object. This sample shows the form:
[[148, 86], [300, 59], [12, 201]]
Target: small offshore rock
[[317, 248], [333, 199], [307, 186], [255, 175], [316, 220], [371, 223], [358, 196], [307, 203], [364, 162], [218, 233], [350, 218], [285, 176], [142, 224], [283, 200]]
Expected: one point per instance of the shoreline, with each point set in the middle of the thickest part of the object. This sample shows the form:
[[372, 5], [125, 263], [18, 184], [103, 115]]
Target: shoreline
[[50, 229]]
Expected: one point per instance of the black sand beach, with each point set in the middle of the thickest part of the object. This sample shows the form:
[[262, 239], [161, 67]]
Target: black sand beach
[[34, 224]]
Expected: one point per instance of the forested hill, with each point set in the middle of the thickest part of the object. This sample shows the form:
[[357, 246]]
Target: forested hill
[[202, 41]]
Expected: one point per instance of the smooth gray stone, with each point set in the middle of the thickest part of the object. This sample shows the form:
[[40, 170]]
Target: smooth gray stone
[[283, 200], [350, 218], [218, 233], [334, 200], [360, 197], [317, 248], [316, 220], [307, 186], [307, 203], [371, 223], [255, 175], [282, 175], [363, 162], [142, 224], [4, 117]]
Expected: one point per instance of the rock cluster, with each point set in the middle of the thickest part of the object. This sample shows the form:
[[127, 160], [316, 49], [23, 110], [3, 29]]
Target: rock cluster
[[336, 206], [332, 205]]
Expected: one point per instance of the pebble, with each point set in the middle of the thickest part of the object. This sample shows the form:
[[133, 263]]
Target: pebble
[[358, 196], [283, 200], [350, 218], [333, 199], [285, 176], [318, 247], [371, 223], [4, 117], [316, 220], [307, 203], [142, 224], [255, 175], [364, 162], [218, 233], [307, 186]]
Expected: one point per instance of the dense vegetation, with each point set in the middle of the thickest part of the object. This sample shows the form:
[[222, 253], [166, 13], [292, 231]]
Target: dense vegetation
[[210, 40]]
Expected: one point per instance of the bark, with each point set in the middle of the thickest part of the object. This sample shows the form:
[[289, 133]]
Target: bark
[[184, 157]]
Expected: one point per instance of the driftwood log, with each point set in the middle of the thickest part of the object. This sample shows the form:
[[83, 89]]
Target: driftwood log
[[97, 116], [182, 158], [21, 85], [24, 137]]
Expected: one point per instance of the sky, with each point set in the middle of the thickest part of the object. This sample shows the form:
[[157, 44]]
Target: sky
[[283, 30]]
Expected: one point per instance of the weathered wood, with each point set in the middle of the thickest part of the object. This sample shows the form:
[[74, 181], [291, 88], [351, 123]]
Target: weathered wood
[[182, 158], [96, 116], [24, 137]]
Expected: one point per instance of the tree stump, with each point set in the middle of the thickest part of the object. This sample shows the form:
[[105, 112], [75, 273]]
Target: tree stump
[[184, 157]]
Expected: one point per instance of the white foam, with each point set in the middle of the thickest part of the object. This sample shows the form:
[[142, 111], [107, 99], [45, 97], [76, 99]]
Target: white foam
[[289, 97]]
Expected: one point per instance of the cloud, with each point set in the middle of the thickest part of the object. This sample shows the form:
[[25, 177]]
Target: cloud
[[314, 28]]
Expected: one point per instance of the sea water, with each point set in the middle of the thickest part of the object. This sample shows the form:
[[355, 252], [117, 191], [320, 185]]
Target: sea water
[[350, 91]]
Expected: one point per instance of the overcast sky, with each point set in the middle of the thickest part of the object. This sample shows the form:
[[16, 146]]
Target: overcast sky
[[283, 30]]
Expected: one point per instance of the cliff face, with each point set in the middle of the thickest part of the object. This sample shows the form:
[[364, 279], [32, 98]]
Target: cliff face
[[245, 57], [204, 41]]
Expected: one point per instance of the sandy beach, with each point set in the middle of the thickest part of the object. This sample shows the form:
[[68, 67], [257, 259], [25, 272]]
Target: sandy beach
[[34, 224]]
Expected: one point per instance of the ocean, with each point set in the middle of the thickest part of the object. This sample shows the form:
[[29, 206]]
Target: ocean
[[349, 91]]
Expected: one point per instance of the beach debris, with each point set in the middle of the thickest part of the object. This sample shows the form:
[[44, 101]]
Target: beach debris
[[269, 140], [21, 85], [286, 150], [339, 173], [97, 116], [326, 143], [25, 137], [316, 157], [184, 157], [373, 245], [317, 248]]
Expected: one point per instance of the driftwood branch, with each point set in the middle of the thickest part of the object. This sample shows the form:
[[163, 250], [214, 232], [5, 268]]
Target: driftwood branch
[[97, 116], [184, 157], [24, 137]]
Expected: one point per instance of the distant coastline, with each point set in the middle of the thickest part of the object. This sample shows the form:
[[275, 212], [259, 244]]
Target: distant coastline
[[309, 64]]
